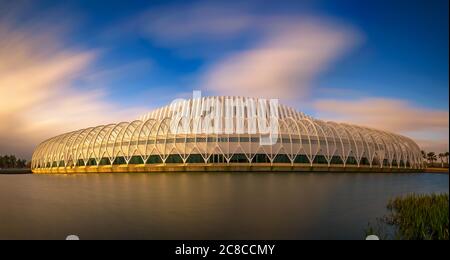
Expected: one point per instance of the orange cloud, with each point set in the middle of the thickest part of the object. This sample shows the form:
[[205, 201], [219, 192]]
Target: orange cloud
[[284, 64], [38, 98], [429, 127]]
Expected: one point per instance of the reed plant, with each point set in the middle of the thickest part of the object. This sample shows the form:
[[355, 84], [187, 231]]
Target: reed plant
[[414, 217]]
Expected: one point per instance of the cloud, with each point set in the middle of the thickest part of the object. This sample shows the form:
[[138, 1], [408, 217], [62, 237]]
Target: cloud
[[284, 64], [253, 55], [428, 127], [211, 21], [269, 55], [38, 93], [284, 57]]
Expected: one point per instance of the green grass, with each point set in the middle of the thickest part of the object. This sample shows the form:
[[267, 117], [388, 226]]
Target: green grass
[[414, 217]]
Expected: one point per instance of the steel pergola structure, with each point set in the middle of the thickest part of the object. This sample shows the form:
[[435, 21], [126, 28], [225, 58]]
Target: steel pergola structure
[[161, 135]]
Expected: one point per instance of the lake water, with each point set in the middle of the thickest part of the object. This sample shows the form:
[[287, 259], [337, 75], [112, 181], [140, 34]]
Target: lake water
[[201, 205]]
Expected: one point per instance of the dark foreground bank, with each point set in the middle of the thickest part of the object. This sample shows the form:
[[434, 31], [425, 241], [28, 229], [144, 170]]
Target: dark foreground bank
[[15, 171], [436, 170]]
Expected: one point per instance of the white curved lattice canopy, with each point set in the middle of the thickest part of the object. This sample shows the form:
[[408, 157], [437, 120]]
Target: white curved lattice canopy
[[301, 139]]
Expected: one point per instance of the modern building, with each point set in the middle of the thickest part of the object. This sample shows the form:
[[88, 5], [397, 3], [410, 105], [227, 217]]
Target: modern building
[[226, 134]]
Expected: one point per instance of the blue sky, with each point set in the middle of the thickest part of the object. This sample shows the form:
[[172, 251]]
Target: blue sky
[[325, 58], [405, 53]]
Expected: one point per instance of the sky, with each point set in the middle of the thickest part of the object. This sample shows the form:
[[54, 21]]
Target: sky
[[66, 65]]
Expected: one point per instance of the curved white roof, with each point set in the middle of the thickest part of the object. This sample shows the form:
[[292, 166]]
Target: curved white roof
[[228, 126]]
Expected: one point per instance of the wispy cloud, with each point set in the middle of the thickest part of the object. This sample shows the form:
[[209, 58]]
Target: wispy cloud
[[429, 127], [242, 52], [284, 64], [38, 94], [193, 23], [282, 58]]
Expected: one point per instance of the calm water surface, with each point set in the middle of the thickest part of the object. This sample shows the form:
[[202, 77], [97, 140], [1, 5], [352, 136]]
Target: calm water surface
[[201, 205]]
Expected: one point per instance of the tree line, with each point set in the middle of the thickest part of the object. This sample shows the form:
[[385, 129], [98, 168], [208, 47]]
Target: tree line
[[11, 161], [431, 157]]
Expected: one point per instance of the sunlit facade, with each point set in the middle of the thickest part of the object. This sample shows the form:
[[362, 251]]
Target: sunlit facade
[[226, 134]]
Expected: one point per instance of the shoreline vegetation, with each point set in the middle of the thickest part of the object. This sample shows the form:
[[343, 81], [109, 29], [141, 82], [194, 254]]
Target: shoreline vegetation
[[414, 217], [432, 165], [430, 159], [10, 164]]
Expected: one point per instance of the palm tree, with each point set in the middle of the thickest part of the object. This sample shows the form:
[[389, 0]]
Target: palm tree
[[2, 162], [424, 156], [441, 156], [13, 161], [7, 161], [23, 163], [446, 157], [431, 156], [19, 163]]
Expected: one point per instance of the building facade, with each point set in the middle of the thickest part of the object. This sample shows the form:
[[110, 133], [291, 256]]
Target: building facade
[[226, 134]]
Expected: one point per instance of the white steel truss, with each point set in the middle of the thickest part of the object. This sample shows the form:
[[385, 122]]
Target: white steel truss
[[299, 135]]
